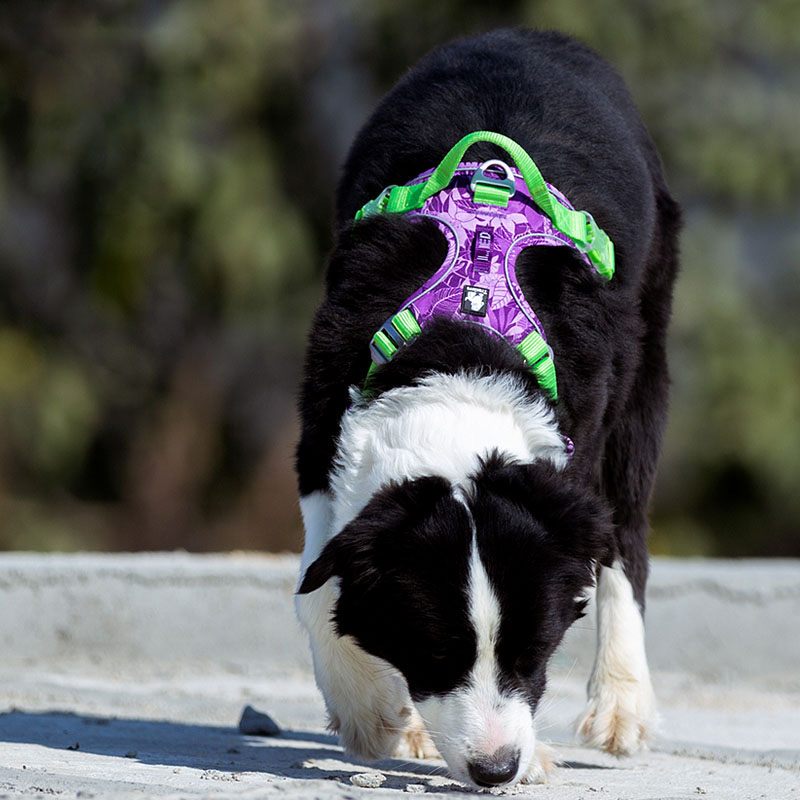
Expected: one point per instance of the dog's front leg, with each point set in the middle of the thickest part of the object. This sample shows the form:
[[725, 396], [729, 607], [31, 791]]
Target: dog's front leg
[[542, 764], [621, 711], [366, 698]]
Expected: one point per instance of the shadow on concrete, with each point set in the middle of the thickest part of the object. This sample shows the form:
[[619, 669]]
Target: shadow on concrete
[[293, 754], [213, 749]]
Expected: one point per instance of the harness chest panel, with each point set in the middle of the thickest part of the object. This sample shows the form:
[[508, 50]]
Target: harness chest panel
[[477, 281]]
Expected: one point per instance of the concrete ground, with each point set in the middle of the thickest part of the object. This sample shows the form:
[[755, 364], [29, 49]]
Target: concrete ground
[[126, 675]]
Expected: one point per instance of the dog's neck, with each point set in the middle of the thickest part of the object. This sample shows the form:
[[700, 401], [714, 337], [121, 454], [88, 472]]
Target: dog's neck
[[442, 425]]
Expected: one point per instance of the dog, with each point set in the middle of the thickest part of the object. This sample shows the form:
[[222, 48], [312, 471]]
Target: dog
[[458, 508]]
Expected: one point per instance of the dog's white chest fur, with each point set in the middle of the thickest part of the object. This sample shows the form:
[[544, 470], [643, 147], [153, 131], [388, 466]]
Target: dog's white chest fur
[[441, 426]]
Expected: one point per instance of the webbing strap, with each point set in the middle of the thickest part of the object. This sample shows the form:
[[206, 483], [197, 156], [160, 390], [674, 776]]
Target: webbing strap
[[485, 193], [403, 328], [580, 226]]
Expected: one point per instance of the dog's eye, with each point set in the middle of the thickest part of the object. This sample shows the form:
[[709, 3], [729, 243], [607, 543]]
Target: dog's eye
[[438, 653]]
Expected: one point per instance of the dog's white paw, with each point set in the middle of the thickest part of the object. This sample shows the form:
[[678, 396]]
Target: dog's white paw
[[370, 732], [621, 714], [367, 701], [542, 764], [415, 741], [620, 717]]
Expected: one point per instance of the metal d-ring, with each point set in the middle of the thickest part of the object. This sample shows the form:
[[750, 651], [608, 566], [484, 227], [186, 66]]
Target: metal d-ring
[[480, 175]]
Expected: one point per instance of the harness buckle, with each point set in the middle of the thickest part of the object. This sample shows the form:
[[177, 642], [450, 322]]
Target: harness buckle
[[491, 189], [397, 331], [598, 246], [585, 244], [375, 206]]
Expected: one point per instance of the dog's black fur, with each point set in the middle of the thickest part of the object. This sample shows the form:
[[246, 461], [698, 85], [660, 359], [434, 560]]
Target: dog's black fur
[[572, 113]]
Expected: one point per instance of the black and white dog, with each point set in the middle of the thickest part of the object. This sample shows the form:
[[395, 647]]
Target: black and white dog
[[449, 541]]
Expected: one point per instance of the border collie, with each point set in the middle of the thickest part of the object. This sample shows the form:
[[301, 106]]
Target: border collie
[[451, 537]]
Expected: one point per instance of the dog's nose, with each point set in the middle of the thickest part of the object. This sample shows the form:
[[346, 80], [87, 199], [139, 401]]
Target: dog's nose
[[496, 769]]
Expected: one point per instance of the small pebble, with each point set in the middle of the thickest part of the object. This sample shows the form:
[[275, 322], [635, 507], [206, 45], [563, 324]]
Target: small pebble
[[367, 780], [131, 754], [415, 788], [255, 723]]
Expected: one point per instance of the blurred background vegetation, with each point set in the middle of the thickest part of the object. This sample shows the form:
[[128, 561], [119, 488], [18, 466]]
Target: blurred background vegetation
[[166, 176]]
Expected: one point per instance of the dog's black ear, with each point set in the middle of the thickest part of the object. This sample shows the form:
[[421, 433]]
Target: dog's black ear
[[575, 519], [321, 570], [396, 509], [584, 529]]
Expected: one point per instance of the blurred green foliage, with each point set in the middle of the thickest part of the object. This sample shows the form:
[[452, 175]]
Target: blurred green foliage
[[166, 176]]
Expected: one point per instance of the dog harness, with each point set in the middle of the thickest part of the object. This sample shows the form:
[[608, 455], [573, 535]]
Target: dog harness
[[488, 213]]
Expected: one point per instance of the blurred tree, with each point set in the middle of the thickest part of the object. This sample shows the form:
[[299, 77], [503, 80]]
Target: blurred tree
[[166, 175]]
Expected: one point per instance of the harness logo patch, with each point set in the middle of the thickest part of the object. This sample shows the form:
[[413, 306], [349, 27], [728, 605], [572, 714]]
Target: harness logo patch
[[475, 300]]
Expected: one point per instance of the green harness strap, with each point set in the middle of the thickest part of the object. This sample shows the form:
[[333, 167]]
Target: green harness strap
[[580, 226]]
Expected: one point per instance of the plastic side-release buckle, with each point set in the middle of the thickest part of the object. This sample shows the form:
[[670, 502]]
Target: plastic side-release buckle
[[375, 206], [382, 348], [598, 246], [491, 189], [393, 334]]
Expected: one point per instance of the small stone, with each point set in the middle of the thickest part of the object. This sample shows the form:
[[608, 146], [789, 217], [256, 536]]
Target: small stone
[[367, 780], [255, 723], [131, 754], [415, 788]]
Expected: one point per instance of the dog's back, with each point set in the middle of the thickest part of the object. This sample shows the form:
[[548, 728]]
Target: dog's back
[[557, 98]]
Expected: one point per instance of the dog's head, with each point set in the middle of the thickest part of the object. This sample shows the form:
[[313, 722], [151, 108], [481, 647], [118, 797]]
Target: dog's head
[[468, 593]]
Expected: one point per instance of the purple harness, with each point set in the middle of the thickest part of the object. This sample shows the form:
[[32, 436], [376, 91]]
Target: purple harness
[[477, 282]]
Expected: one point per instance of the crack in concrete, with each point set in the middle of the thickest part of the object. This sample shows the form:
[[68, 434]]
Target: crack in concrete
[[24, 580], [727, 593]]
